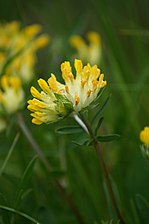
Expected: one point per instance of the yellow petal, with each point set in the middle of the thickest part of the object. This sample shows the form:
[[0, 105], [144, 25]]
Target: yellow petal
[[67, 71], [43, 85], [35, 92], [32, 30], [94, 37], [36, 121], [78, 65], [101, 82], [41, 41], [77, 41]]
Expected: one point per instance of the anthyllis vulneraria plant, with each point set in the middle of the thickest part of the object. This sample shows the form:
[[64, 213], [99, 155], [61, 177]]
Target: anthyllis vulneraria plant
[[11, 94], [12, 97], [90, 50], [144, 137], [57, 100], [18, 48]]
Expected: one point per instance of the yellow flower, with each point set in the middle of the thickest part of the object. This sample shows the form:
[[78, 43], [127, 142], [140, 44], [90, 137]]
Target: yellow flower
[[88, 52], [23, 66], [7, 32], [21, 46], [144, 136], [11, 94], [84, 88], [46, 105], [58, 100]]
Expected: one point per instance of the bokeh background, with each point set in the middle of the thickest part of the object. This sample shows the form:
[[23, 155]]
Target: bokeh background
[[124, 30]]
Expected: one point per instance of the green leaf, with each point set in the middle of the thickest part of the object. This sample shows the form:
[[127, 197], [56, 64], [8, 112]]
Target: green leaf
[[101, 109], [24, 181], [108, 138], [85, 143], [143, 207], [69, 130], [24, 215], [98, 125]]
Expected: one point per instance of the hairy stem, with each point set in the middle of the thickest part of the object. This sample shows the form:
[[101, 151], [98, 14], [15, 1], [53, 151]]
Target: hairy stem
[[103, 166], [67, 197]]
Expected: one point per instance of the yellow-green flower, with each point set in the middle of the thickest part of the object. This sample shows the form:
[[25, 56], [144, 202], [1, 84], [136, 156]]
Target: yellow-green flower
[[144, 136], [46, 105], [82, 89], [90, 51], [77, 92], [11, 94]]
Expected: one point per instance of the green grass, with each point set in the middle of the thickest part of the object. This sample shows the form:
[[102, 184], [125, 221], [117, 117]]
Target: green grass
[[28, 191]]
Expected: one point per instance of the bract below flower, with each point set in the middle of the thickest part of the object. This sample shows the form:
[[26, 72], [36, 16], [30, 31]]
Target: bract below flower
[[144, 136], [77, 92], [11, 94]]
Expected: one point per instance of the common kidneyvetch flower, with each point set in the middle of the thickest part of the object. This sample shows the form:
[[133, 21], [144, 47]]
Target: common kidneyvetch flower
[[47, 106], [57, 100], [90, 51], [11, 94], [144, 136], [21, 45]]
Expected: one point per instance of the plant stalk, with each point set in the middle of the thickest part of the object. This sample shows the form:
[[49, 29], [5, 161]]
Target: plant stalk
[[104, 168]]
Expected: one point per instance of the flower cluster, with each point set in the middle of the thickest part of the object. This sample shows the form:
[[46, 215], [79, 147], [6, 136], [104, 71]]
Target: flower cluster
[[57, 100], [11, 97], [18, 49], [11, 94], [88, 52], [144, 136]]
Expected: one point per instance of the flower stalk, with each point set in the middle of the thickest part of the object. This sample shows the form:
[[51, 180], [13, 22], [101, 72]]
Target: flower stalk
[[103, 165]]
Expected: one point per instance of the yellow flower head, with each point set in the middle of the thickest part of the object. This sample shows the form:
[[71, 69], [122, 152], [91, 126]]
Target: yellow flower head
[[144, 136], [11, 94], [21, 45], [90, 51], [46, 105], [82, 89], [57, 100]]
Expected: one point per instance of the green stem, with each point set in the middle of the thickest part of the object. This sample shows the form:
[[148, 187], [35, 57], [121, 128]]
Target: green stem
[[67, 197], [32, 142], [103, 166]]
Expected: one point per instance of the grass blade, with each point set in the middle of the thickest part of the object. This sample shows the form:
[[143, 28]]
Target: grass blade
[[24, 180], [9, 153], [24, 215]]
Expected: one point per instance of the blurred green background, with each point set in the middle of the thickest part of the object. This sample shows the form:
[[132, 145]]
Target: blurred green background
[[124, 30]]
